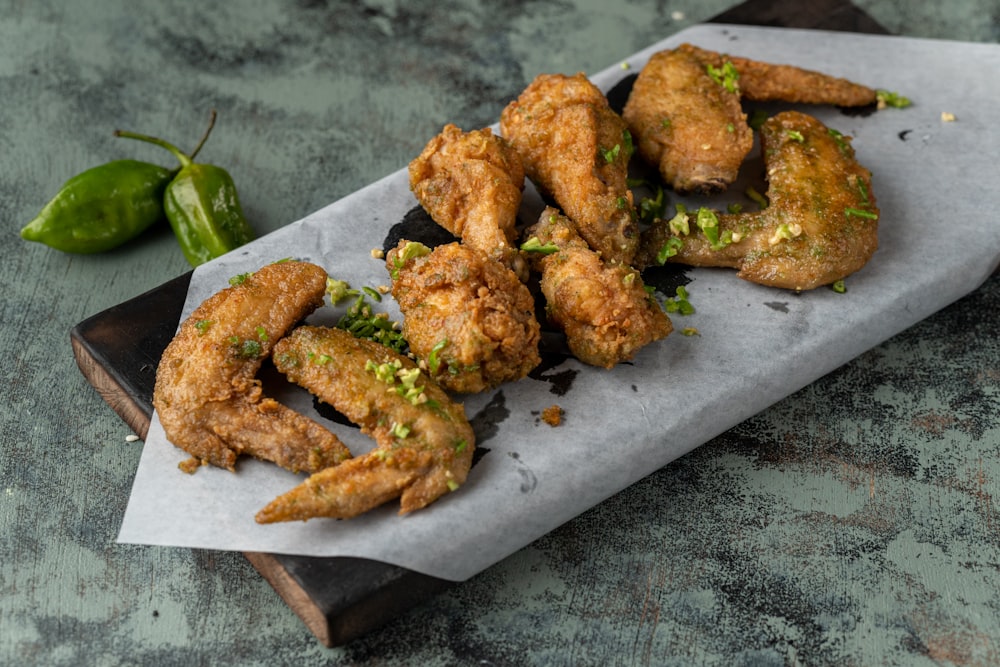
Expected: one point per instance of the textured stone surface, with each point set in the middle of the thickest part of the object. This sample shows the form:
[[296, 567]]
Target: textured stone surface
[[853, 523]]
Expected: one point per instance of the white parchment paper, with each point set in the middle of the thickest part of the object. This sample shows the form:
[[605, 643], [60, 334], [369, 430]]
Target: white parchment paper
[[937, 186]]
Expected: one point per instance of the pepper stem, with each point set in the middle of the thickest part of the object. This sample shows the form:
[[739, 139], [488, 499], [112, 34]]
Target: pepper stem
[[182, 157]]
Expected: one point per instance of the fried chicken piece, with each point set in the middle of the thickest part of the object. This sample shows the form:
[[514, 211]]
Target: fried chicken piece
[[468, 318], [470, 183], [688, 125], [208, 399], [603, 309], [767, 82], [576, 148], [424, 440], [821, 223]]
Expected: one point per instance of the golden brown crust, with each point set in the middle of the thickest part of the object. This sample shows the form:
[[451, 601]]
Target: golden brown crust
[[470, 319], [686, 124], [821, 223], [576, 148], [603, 309], [470, 183], [424, 441], [206, 395], [766, 82]]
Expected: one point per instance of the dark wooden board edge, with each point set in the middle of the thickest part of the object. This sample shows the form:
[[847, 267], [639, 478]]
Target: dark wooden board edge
[[338, 599]]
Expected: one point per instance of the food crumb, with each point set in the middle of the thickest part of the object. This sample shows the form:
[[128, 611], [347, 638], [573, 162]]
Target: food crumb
[[690, 331], [552, 415], [947, 117], [189, 465], [378, 253], [131, 437]]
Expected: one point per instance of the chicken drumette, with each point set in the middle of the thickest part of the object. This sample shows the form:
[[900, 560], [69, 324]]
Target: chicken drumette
[[576, 148], [470, 183], [468, 318], [603, 308]]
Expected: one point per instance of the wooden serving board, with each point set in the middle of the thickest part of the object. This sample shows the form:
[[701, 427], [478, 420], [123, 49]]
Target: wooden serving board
[[338, 599]]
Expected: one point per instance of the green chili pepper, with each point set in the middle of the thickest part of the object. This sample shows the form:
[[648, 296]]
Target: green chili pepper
[[202, 205], [102, 207]]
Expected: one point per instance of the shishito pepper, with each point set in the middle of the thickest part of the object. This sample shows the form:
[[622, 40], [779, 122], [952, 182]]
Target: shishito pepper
[[102, 208], [202, 205]]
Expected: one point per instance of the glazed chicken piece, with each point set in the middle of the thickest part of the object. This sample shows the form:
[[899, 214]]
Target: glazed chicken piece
[[470, 183], [687, 124], [603, 309], [575, 148], [424, 441], [206, 394], [767, 82], [821, 223], [468, 318]]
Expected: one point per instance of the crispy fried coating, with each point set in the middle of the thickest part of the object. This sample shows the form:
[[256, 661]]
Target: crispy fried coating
[[206, 394], [468, 318], [767, 82], [688, 125], [603, 309], [821, 223], [470, 183], [424, 441], [576, 148]]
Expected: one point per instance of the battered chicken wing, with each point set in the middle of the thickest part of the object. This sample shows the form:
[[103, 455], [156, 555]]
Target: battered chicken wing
[[821, 223], [766, 82], [470, 183], [687, 124], [575, 148], [603, 309], [424, 441], [206, 395], [468, 318]]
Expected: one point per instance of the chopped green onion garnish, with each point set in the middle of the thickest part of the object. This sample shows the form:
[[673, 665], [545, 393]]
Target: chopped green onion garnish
[[726, 76], [756, 197], [679, 223], [886, 98], [534, 245], [651, 208], [433, 360], [669, 249], [861, 213]]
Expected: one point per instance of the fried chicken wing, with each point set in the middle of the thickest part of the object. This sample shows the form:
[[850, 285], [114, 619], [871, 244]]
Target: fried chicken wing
[[468, 318], [821, 223], [206, 394], [603, 309], [688, 125], [470, 183], [424, 441], [767, 82], [576, 148]]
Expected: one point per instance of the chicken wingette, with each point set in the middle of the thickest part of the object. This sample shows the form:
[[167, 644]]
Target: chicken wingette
[[206, 394], [820, 224], [424, 441]]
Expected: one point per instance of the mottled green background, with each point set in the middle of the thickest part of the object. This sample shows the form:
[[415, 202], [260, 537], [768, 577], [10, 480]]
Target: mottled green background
[[853, 523]]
